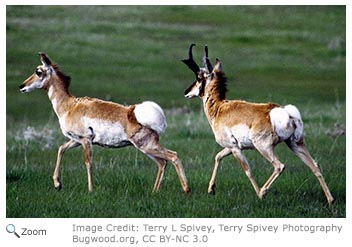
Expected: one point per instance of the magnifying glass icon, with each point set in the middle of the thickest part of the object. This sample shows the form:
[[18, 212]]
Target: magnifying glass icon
[[10, 228]]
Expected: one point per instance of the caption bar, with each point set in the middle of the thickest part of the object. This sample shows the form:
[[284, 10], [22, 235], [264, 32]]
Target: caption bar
[[142, 234]]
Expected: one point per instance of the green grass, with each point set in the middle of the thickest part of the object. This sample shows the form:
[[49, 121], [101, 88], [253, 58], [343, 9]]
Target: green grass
[[132, 53]]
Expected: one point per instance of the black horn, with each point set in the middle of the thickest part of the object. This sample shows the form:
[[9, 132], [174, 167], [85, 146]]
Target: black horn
[[206, 62], [190, 61]]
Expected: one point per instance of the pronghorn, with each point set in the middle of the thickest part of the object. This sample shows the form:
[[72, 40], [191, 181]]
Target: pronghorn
[[86, 121], [239, 125]]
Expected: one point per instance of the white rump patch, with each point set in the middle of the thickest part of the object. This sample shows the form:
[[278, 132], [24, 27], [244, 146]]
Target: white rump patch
[[293, 111], [280, 120], [297, 121], [287, 122], [151, 115]]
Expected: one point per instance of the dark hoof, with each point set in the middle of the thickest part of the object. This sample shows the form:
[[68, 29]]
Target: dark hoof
[[331, 202], [59, 187], [212, 190]]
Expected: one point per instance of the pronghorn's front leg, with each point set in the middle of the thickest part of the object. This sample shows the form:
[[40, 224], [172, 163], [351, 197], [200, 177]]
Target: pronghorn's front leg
[[87, 147], [244, 163], [223, 153], [62, 149]]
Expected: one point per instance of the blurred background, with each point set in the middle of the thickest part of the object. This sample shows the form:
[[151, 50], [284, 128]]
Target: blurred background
[[132, 53], [128, 54]]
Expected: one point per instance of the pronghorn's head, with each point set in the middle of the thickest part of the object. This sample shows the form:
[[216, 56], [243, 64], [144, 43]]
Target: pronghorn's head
[[40, 77], [203, 75]]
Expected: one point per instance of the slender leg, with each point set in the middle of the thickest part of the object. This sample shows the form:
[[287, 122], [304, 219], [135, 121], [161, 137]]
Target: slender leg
[[268, 153], [147, 141], [62, 149], [223, 153], [172, 156], [161, 170], [87, 146], [244, 163], [301, 151]]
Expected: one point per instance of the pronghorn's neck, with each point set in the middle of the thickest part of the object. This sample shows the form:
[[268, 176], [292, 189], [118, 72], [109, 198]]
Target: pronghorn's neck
[[214, 95], [58, 92], [211, 106]]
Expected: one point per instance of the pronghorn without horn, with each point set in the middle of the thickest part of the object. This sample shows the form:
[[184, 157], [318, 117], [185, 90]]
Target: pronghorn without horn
[[239, 125], [87, 121]]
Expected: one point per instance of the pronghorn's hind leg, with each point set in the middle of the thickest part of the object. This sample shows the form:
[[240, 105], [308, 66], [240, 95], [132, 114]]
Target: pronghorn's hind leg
[[161, 170], [171, 156], [300, 149], [147, 141], [267, 151], [56, 177]]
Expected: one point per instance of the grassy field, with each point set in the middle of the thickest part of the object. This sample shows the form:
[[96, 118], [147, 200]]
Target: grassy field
[[129, 54]]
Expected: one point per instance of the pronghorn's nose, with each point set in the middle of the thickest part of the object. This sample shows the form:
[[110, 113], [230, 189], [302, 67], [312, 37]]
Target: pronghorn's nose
[[21, 87]]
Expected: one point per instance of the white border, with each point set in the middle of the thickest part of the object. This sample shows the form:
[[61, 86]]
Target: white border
[[59, 230]]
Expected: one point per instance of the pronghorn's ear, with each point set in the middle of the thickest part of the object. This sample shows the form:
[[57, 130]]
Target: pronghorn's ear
[[44, 59], [217, 67]]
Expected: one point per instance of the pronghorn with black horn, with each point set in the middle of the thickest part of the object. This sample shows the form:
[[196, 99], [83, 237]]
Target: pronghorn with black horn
[[87, 121], [239, 125]]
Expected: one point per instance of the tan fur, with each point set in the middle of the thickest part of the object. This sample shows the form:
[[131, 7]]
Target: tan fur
[[252, 114], [95, 108], [109, 119], [239, 125]]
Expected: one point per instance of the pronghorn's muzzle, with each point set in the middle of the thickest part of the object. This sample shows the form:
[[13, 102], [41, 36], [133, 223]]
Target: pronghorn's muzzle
[[188, 91], [22, 89]]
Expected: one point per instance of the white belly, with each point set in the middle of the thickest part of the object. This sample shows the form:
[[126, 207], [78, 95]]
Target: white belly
[[236, 136], [106, 133], [101, 132]]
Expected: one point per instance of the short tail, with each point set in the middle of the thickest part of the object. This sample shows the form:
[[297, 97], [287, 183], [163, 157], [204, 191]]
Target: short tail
[[287, 122], [151, 115]]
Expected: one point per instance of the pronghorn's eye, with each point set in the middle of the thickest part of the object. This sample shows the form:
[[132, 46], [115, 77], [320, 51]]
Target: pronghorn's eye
[[38, 72]]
